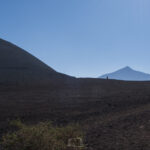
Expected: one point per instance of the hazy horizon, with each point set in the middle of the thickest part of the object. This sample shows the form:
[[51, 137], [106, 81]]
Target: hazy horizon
[[81, 38]]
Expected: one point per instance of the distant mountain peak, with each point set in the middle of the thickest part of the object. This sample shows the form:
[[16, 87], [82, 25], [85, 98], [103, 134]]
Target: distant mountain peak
[[127, 67], [127, 73]]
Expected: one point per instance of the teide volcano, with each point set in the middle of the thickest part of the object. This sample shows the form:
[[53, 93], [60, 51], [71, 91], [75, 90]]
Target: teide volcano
[[127, 74], [18, 67]]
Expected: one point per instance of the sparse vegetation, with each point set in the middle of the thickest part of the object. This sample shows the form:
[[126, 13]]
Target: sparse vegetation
[[42, 136]]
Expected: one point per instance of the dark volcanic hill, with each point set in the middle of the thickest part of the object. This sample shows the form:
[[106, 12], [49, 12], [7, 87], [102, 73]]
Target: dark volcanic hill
[[128, 74], [19, 67], [114, 114]]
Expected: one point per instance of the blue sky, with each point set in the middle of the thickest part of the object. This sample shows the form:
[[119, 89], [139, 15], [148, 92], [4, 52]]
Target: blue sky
[[83, 38]]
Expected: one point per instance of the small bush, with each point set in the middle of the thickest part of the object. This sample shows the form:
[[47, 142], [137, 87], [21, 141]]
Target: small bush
[[42, 136]]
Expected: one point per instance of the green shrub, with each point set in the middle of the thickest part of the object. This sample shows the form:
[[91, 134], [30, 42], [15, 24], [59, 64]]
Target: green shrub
[[42, 136]]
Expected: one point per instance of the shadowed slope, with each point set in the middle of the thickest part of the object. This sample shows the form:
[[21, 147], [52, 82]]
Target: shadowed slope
[[19, 67]]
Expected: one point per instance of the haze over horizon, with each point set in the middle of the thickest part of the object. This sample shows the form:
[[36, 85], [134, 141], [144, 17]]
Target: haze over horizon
[[81, 38]]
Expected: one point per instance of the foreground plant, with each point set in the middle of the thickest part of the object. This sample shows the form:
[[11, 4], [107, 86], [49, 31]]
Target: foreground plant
[[42, 136]]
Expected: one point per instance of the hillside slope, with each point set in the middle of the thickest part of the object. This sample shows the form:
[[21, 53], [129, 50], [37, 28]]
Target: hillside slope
[[19, 67]]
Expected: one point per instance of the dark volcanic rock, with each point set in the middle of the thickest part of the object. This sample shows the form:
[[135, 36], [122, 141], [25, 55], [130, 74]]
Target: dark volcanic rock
[[19, 67]]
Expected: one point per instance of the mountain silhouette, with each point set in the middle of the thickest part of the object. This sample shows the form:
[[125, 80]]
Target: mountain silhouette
[[19, 67], [128, 74]]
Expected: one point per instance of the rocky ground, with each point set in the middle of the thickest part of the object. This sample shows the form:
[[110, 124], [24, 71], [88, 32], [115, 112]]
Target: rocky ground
[[114, 114]]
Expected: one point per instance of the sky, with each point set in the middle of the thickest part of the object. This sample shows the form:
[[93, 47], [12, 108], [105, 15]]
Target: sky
[[82, 38]]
